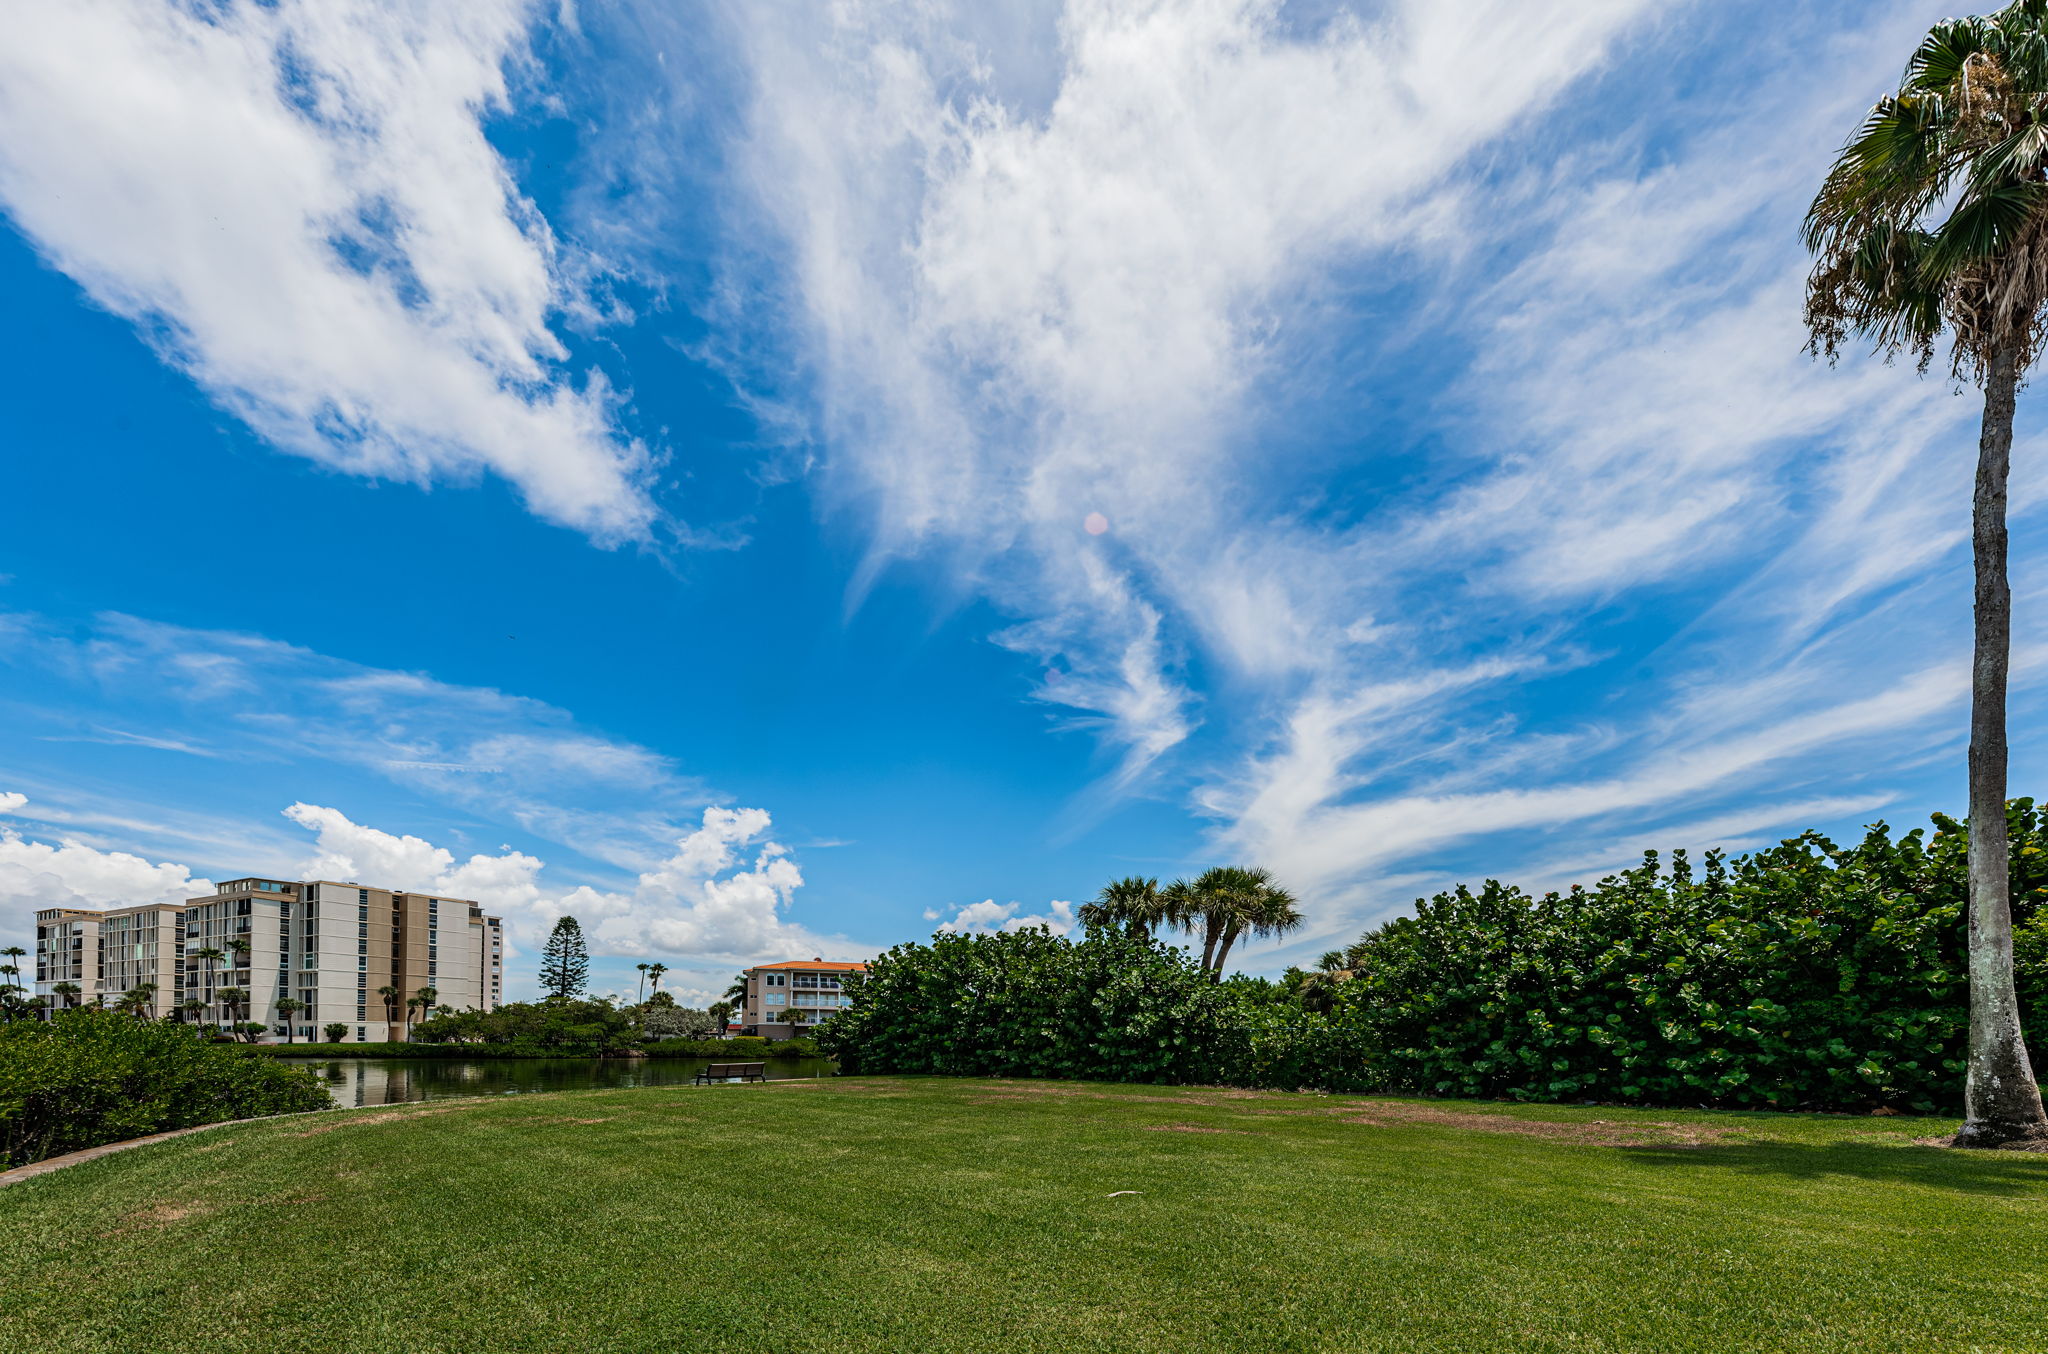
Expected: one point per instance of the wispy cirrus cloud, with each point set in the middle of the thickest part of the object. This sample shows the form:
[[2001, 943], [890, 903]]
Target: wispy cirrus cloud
[[236, 697], [1041, 266], [1096, 299]]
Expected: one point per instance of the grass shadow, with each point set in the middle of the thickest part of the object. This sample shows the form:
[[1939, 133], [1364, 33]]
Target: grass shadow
[[1998, 1173]]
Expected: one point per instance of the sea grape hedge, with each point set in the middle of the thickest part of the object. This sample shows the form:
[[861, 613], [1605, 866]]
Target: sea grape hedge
[[91, 1076], [1809, 975], [1030, 1004]]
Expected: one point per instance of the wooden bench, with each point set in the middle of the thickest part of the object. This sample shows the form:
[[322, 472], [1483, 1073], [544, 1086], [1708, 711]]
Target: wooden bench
[[731, 1072]]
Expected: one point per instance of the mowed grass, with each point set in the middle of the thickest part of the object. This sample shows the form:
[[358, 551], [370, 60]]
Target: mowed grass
[[915, 1215]]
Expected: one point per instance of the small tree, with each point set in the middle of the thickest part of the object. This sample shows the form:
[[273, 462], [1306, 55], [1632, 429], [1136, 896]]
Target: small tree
[[287, 1007], [720, 1013], [565, 962], [422, 1001], [11, 992], [230, 999], [335, 1032]]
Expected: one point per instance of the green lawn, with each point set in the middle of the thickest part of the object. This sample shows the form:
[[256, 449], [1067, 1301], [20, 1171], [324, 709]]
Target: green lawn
[[915, 1215]]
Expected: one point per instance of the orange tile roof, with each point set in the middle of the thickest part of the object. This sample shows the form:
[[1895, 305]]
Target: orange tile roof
[[813, 964]]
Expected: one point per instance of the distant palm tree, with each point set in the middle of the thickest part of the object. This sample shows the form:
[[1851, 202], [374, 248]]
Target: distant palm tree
[[1933, 223], [422, 1000], [287, 1007], [231, 999], [193, 1009], [67, 992], [10, 989], [211, 957], [137, 1000], [641, 995], [1134, 903], [654, 972], [390, 995]]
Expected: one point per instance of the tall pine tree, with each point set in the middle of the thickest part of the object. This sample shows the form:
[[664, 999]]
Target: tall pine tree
[[564, 964]]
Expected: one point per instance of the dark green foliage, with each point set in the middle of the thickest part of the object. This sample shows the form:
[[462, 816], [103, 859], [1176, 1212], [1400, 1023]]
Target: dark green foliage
[[1807, 975], [556, 1026], [564, 962], [1111, 1007], [91, 1076]]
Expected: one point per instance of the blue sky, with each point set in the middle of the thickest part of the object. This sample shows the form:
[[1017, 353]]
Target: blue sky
[[775, 480]]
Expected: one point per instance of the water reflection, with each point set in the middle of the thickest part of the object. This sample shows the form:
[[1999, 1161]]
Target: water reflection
[[394, 1081]]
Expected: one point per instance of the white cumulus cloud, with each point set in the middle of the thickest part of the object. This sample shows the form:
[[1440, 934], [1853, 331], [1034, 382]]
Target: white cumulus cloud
[[989, 916], [70, 873]]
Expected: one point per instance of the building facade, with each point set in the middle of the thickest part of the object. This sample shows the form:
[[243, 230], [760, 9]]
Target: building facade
[[348, 955], [782, 999], [90, 958]]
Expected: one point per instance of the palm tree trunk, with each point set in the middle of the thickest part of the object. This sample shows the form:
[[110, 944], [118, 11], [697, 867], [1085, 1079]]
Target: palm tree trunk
[[1229, 939], [1209, 929], [2001, 1102]]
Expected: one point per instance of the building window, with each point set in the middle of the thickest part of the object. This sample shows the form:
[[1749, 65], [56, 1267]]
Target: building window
[[774, 999]]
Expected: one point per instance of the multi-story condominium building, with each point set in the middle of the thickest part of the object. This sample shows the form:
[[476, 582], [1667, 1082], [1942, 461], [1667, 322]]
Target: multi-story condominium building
[[783, 998], [68, 954], [332, 947], [97, 957]]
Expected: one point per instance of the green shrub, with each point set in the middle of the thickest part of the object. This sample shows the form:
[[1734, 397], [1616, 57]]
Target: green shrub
[[91, 1076], [1806, 976], [670, 1021], [1110, 1007], [557, 1027]]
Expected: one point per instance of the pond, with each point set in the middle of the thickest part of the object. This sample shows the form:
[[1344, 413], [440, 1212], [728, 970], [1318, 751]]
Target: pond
[[394, 1081]]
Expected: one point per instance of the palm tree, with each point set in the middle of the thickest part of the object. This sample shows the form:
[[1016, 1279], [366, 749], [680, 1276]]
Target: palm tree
[[654, 972], [287, 1007], [231, 999], [641, 995], [10, 989], [390, 996], [66, 993], [1252, 903], [423, 1000], [1207, 903], [1134, 903], [193, 1009], [211, 956], [136, 1000], [1933, 220]]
